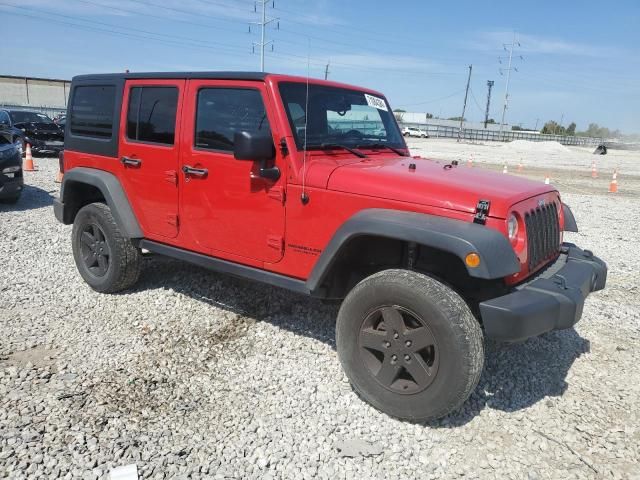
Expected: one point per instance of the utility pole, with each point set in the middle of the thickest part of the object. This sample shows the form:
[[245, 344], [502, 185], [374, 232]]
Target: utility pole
[[464, 106], [486, 114], [510, 46], [326, 71], [263, 26], [537, 120]]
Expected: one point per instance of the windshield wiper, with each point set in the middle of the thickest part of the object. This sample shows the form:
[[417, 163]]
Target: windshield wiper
[[329, 146], [382, 145]]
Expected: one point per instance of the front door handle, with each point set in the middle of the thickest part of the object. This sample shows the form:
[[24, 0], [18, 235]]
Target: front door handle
[[195, 172], [131, 162]]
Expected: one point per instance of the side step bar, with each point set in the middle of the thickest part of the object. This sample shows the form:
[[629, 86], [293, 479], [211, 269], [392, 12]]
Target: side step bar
[[224, 266]]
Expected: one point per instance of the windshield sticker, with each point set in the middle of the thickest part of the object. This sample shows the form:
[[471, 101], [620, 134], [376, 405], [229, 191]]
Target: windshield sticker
[[376, 102]]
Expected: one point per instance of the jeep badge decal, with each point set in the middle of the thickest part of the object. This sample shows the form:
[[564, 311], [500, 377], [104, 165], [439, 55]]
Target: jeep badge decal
[[482, 212]]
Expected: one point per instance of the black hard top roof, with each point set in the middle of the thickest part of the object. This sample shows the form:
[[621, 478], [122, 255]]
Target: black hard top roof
[[173, 75]]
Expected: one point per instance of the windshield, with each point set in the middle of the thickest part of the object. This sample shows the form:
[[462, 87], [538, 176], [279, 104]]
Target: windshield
[[339, 116], [30, 117]]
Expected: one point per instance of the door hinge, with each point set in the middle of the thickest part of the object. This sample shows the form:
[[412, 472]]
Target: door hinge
[[277, 193], [172, 219], [171, 176], [276, 242]]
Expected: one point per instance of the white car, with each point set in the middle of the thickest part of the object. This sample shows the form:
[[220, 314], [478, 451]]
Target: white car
[[414, 132]]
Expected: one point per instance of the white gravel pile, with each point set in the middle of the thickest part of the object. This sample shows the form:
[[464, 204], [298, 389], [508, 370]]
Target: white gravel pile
[[531, 154], [197, 375], [527, 146]]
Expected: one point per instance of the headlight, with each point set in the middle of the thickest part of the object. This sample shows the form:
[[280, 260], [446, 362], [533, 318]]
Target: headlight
[[512, 227]]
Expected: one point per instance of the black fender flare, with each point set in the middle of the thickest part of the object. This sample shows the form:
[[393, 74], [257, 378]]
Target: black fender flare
[[111, 190], [570, 224], [497, 258]]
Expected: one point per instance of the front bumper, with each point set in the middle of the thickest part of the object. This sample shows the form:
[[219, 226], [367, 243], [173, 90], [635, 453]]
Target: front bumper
[[553, 300], [10, 186], [45, 146]]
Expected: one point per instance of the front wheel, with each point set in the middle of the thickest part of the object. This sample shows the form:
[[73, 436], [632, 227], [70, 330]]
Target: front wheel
[[106, 259], [409, 345]]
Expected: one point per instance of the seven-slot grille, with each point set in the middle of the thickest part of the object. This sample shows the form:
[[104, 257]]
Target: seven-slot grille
[[543, 233]]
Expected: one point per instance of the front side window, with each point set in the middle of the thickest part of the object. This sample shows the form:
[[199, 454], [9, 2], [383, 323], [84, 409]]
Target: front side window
[[92, 110], [338, 116], [221, 112], [151, 116]]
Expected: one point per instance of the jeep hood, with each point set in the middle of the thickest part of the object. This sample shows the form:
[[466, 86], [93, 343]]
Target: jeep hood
[[434, 183]]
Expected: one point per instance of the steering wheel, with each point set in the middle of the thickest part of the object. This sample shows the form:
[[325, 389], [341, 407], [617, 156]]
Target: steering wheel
[[354, 133]]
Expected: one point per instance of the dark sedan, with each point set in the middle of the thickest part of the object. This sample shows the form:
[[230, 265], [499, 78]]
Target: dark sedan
[[38, 130]]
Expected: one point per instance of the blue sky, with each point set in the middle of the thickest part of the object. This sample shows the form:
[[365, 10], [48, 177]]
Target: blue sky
[[580, 59]]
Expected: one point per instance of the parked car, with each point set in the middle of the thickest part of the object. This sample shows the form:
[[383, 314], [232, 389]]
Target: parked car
[[38, 130], [427, 258], [414, 132], [11, 180]]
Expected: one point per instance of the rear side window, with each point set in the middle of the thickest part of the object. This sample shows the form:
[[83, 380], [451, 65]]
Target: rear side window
[[92, 111], [152, 114], [224, 111]]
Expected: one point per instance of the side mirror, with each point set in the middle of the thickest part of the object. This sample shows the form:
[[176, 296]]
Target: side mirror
[[249, 146], [256, 148]]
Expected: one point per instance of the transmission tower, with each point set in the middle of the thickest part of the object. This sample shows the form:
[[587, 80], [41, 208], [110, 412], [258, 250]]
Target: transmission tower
[[486, 114], [263, 26], [508, 47]]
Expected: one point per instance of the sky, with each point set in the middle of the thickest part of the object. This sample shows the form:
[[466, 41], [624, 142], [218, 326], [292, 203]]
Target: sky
[[576, 61]]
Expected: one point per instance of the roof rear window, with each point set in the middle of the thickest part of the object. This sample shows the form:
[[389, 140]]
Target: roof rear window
[[92, 110]]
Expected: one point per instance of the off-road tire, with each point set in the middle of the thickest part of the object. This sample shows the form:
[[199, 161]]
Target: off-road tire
[[124, 261], [458, 342]]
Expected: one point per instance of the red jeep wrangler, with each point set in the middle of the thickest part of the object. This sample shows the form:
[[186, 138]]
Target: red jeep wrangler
[[309, 185]]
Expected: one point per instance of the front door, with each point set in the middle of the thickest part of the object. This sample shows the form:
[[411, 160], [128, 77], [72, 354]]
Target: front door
[[149, 153], [227, 209]]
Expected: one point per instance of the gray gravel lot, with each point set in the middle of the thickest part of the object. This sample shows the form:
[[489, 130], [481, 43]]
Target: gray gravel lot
[[197, 375]]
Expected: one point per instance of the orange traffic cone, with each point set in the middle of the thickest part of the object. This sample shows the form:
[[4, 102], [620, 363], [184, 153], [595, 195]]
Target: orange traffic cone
[[613, 186], [594, 170], [59, 176], [28, 161], [520, 167], [504, 169], [547, 180]]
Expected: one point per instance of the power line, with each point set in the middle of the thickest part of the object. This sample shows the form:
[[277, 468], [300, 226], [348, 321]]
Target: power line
[[457, 92], [114, 32]]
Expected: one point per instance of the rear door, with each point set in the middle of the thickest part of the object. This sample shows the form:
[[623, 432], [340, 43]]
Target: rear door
[[230, 211], [149, 153]]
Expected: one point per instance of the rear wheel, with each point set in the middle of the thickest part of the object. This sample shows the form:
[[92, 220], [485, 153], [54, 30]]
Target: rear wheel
[[409, 345], [105, 258]]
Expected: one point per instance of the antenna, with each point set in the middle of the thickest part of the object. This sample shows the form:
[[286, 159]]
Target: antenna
[[304, 198]]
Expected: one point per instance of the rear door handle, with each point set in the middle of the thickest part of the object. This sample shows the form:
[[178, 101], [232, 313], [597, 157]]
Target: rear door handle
[[131, 162], [195, 172]]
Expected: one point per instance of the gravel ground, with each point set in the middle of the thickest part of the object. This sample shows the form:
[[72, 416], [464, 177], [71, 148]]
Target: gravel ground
[[197, 375]]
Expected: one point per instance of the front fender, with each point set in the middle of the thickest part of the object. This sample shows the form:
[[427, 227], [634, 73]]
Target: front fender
[[497, 258]]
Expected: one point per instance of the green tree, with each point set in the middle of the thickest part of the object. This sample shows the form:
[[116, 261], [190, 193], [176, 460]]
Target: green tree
[[571, 129], [399, 116], [399, 110], [553, 128], [429, 115]]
